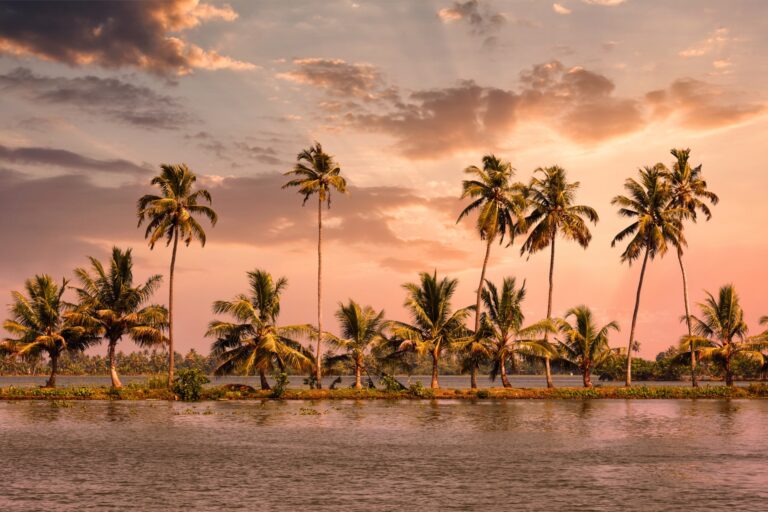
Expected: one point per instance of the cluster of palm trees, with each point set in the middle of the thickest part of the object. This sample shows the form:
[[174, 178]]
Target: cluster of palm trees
[[659, 203]]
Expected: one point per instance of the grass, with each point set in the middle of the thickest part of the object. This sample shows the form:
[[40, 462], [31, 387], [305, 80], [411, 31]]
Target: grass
[[147, 392]]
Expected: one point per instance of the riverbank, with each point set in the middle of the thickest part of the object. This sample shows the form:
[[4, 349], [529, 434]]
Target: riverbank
[[235, 392]]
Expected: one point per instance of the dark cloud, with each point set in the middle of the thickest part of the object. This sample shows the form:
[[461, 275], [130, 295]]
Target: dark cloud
[[68, 160], [339, 78], [108, 97], [246, 149], [145, 35], [482, 22]]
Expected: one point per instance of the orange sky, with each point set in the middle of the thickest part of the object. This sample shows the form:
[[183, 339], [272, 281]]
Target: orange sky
[[405, 95]]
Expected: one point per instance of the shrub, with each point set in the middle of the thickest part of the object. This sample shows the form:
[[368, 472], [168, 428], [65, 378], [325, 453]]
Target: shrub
[[390, 383], [483, 393], [188, 384], [281, 383], [157, 381], [419, 391]]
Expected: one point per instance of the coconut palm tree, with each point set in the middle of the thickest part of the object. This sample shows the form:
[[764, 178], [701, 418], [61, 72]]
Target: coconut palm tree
[[553, 213], [434, 325], [171, 215], [721, 332], [361, 328], [110, 300], [317, 173], [503, 332], [254, 341], [583, 344], [689, 191], [42, 323], [500, 206], [655, 225]]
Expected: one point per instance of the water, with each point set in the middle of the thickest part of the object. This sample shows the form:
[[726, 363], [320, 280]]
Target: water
[[384, 455], [297, 381]]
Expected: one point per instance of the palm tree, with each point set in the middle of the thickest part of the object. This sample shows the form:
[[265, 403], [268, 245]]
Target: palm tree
[[583, 344], [553, 213], [110, 300], [689, 191], [254, 340], [500, 205], [171, 215], [42, 323], [434, 326], [360, 329], [721, 332], [502, 328], [655, 225], [317, 173]]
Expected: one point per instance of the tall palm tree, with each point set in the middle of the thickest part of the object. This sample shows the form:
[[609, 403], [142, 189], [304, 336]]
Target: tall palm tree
[[171, 215], [254, 341], [502, 328], [689, 191], [655, 225], [42, 323], [583, 344], [110, 300], [501, 204], [553, 213], [434, 326], [721, 332], [317, 173], [361, 328]]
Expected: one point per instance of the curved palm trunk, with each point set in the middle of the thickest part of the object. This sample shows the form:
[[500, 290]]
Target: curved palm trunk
[[170, 309], [263, 380], [318, 370], [358, 373], [628, 381], [694, 380], [113, 365], [504, 378], [473, 374], [547, 369], [435, 384], [54, 369]]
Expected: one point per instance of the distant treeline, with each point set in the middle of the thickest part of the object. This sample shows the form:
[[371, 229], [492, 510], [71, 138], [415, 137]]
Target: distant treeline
[[151, 362]]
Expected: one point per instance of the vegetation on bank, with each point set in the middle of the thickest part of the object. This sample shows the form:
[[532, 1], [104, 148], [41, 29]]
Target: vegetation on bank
[[416, 392], [247, 339]]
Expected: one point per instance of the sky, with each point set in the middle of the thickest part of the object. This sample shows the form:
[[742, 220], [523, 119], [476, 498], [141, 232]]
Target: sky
[[405, 95]]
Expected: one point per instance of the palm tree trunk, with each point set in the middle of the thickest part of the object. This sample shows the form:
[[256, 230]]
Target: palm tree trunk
[[113, 365], [504, 378], [728, 371], [170, 309], [473, 373], [318, 370], [628, 381], [547, 369], [694, 381], [263, 380], [54, 369], [587, 376], [358, 371], [435, 384]]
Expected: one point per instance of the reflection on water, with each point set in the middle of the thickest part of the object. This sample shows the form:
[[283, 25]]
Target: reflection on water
[[384, 455]]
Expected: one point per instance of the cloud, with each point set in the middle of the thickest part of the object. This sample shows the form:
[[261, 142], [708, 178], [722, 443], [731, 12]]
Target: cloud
[[338, 77], [107, 97], [144, 35], [715, 41], [561, 9], [480, 20], [67, 160], [578, 104], [607, 3], [700, 105]]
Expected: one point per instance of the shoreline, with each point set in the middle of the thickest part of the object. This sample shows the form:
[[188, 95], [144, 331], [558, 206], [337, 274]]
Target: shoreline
[[235, 392]]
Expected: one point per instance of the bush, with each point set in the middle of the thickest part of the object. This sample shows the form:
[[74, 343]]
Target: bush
[[419, 391], [281, 383], [483, 393], [390, 383], [188, 384], [158, 381]]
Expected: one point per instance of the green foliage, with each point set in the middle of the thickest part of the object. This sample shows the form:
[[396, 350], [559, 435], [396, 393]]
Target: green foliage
[[390, 383], [188, 384], [419, 391], [281, 384]]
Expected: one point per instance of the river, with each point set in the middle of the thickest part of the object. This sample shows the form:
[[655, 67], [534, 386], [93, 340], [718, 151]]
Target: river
[[384, 455]]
